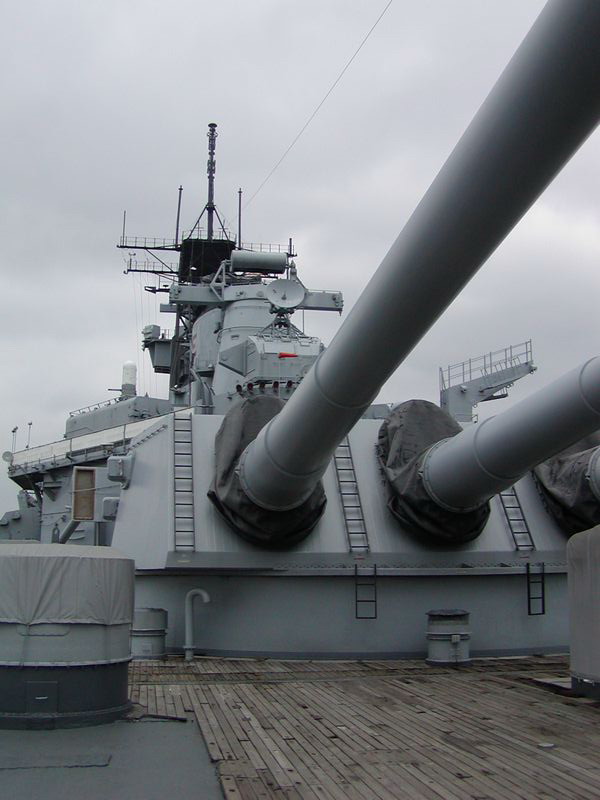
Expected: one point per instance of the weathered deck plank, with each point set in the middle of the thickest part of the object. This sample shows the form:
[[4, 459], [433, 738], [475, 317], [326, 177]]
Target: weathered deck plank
[[382, 730]]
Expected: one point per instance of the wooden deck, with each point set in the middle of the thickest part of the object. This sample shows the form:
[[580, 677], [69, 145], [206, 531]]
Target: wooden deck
[[382, 729]]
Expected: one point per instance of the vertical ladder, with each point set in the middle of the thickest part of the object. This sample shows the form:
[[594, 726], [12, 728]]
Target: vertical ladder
[[516, 519], [183, 482], [354, 521], [365, 593], [536, 590]]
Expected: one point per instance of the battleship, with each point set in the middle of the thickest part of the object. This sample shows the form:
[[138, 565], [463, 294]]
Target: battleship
[[271, 508]]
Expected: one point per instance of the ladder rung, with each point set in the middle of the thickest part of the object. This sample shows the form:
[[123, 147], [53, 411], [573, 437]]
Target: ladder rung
[[510, 502], [514, 513], [371, 598], [355, 526], [184, 510], [520, 527], [182, 449], [184, 524]]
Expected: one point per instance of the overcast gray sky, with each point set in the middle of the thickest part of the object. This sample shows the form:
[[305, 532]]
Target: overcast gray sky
[[105, 107]]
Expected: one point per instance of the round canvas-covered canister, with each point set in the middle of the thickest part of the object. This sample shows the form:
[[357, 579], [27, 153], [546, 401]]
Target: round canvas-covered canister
[[65, 619]]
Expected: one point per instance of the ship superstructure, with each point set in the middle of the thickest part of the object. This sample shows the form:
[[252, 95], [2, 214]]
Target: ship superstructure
[[233, 338]]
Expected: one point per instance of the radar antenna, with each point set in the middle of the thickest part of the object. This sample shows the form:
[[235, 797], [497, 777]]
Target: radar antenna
[[211, 168], [210, 207]]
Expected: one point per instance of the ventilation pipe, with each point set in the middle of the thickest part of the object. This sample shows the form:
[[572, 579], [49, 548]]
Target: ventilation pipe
[[189, 620], [68, 531]]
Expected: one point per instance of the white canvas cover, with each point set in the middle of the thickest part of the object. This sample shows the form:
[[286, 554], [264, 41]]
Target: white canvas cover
[[583, 555], [61, 583]]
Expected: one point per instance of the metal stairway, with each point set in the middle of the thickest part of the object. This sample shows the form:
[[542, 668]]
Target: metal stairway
[[354, 521], [516, 519], [183, 483]]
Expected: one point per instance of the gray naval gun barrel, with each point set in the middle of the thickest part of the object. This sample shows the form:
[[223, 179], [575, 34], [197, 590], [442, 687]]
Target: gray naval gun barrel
[[463, 472], [545, 104]]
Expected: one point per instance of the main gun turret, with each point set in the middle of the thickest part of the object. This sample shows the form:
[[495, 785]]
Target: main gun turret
[[543, 107]]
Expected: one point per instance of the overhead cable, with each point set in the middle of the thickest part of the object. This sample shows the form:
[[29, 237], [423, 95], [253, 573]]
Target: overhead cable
[[318, 108]]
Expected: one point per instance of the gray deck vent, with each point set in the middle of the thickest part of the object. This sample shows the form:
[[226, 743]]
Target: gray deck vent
[[448, 636], [148, 634], [65, 616]]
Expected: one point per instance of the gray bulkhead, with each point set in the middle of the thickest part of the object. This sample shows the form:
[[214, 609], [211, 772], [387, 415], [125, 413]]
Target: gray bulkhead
[[281, 615], [58, 502]]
